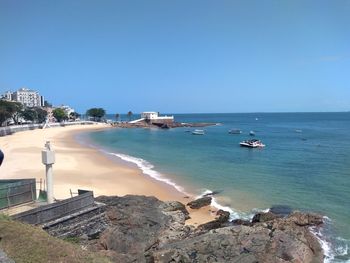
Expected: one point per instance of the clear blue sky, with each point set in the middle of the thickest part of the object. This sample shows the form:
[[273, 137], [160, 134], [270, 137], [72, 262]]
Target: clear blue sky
[[179, 56]]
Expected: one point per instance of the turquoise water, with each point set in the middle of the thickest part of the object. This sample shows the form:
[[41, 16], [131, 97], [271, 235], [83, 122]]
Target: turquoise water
[[307, 170]]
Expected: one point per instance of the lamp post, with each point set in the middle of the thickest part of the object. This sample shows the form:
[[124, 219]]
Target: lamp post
[[48, 159]]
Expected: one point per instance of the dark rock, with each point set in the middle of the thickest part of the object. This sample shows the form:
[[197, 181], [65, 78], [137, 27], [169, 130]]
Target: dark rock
[[175, 206], [141, 223], [213, 193], [281, 210], [244, 244], [222, 216], [220, 220], [264, 217], [200, 202], [241, 222], [305, 219]]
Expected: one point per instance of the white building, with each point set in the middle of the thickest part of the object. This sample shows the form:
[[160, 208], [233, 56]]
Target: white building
[[27, 97], [7, 96], [67, 109], [153, 116]]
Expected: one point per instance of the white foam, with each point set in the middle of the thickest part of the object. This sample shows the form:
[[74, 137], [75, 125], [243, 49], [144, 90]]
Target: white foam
[[233, 214], [147, 169], [331, 250]]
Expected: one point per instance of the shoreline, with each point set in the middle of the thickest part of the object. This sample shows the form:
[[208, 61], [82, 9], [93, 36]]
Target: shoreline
[[80, 166]]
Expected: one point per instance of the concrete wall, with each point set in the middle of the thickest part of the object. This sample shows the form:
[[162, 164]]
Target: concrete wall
[[56, 210], [18, 128], [162, 121]]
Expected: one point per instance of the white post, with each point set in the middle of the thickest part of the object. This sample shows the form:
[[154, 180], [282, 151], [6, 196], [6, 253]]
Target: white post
[[48, 159]]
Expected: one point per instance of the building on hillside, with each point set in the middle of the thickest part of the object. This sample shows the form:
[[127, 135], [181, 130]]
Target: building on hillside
[[153, 117], [7, 96], [27, 97]]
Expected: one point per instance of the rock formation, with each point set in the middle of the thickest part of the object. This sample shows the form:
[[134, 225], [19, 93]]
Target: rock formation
[[144, 229], [200, 202]]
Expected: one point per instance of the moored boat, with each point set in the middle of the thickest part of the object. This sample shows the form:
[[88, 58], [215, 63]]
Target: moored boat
[[252, 143], [252, 133], [235, 131], [198, 132]]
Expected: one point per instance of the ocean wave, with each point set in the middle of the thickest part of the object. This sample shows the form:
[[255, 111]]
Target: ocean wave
[[147, 169], [233, 213], [336, 250]]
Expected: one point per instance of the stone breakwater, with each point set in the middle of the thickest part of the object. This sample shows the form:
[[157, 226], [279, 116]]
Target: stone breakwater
[[145, 229]]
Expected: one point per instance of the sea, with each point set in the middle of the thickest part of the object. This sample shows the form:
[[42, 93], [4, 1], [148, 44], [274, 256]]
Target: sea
[[305, 164]]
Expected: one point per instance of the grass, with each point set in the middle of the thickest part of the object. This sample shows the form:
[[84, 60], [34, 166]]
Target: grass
[[28, 244]]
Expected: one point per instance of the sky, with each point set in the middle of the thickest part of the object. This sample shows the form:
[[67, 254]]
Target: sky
[[179, 56]]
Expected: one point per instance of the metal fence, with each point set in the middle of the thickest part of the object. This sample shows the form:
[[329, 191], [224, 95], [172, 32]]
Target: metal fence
[[15, 192], [56, 210]]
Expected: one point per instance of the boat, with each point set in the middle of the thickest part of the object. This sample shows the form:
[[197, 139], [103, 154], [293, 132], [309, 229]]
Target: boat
[[198, 132], [252, 143], [298, 131], [252, 133], [234, 131]]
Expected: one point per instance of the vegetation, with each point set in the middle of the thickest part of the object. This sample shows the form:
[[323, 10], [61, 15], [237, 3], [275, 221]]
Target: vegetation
[[7, 109], [96, 113], [73, 116], [18, 108], [29, 115], [25, 243], [41, 115], [59, 114], [18, 113]]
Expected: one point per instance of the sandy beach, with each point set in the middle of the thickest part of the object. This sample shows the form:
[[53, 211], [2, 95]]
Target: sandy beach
[[81, 167]]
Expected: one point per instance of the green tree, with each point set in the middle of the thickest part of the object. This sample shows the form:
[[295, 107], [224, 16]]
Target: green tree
[[9, 109], [74, 116], [41, 114], [29, 115], [96, 113], [59, 114], [18, 108], [6, 111], [130, 115]]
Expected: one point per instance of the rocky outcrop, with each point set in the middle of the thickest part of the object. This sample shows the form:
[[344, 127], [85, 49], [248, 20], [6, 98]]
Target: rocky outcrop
[[175, 206], [200, 202], [144, 229], [138, 224], [222, 217], [264, 217], [279, 240]]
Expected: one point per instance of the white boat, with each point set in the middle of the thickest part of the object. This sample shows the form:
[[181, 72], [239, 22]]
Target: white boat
[[234, 131], [198, 132], [252, 133], [252, 144]]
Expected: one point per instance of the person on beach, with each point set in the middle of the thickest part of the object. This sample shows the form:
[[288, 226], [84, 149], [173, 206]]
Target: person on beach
[[1, 157]]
